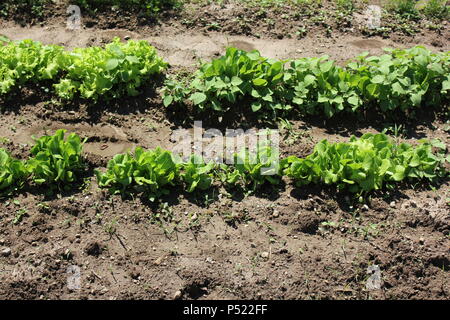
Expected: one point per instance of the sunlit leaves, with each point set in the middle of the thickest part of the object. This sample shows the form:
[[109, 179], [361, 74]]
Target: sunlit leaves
[[365, 164]]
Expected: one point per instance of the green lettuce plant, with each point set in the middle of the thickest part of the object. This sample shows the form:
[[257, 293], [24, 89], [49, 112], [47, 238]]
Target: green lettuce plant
[[253, 167], [117, 70], [26, 62], [196, 174], [364, 164], [56, 159], [149, 172], [13, 173]]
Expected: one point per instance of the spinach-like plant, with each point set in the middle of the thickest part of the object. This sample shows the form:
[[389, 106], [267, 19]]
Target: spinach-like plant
[[404, 79], [322, 87], [399, 80], [237, 77]]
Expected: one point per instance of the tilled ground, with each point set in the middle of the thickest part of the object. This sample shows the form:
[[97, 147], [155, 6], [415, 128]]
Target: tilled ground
[[285, 243]]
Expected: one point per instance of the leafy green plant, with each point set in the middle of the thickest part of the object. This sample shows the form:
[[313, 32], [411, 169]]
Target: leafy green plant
[[365, 164], [144, 171], [403, 79], [237, 76], [111, 72], [345, 5], [398, 80], [30, 8], [149, 7], [404, 8], [175, 91], [436, 9], [56, 159], [26, 62], [253, 167], [322, 87], [12, 172], [118, 69], [196, 174]]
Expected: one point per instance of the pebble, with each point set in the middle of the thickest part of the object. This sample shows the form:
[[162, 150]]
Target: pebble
[[177, 295], [392, 204], [365, 207], [276, 213], [6, 252], [264, 254]]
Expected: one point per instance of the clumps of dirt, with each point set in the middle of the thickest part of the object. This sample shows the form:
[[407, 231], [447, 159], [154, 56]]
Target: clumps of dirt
[[63, 205], [432, 212], [279, 21], [440, 261], [21, 290], [93, 249], [196, 289], [307, 222]]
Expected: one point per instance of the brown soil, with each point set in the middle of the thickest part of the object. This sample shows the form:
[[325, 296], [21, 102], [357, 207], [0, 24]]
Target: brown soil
[[275, 244]]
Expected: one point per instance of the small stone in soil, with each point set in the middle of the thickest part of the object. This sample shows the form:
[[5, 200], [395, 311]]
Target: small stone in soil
[[6, 252], [177, 295]]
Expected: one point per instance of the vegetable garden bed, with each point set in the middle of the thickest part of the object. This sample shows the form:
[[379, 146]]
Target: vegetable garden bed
[[362, 177]]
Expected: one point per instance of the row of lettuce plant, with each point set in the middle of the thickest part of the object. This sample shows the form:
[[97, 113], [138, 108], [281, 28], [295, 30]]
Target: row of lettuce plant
[[55, 162], [370, 162], [400, 79], [119, 69]]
